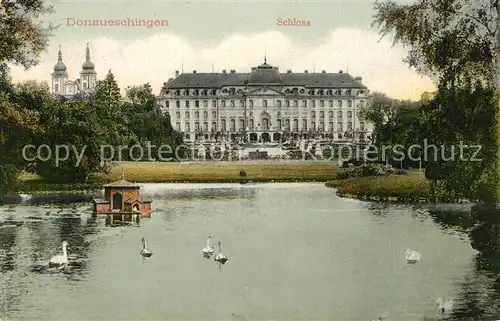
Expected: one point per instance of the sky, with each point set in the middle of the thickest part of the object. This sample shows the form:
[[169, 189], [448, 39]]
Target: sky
[[216, 35]]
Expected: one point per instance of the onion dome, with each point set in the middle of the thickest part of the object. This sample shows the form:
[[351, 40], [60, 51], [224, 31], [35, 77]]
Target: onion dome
[[60, 68]]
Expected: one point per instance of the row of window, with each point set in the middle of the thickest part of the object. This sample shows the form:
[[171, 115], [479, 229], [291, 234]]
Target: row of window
[[232, 103], [214, 114], [265, 125], [290, 91]]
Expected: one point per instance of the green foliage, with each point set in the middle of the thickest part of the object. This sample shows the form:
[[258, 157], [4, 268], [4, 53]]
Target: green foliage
[[370, 170], [453, 42]]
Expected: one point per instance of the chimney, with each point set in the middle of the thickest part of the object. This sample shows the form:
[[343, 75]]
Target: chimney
[[223, 71], [176, 73], [341, 71], [323, 72], [233, 71], [194, 71], [358, 78], [289, 71], [305, 71]]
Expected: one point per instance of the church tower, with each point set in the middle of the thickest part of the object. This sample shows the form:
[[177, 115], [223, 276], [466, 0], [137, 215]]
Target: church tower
[[59, 76], [88, 75]]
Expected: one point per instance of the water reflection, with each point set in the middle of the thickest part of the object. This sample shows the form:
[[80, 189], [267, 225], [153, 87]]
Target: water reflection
[[479, 295]]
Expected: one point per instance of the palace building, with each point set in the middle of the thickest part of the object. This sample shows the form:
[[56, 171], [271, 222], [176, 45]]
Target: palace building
[[266, 105], [68, 88]]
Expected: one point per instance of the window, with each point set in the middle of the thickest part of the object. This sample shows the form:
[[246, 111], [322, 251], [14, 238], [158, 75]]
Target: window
[[264, 103], [232, 103], [339, 114], [313, 114], [233, 124], [321, 126], [339, 103], [167, 104], [321, 103], [330, 125], [295, 103], [214, 114], [339, 126], [250, 102], [178, 104], [287, 103], [362, 125], [330, 103], [313, 103], [250, 124], [186, 127], [223, 103], [214, 126], [205, 103], [242, 103], [321, 114], [197, 126], [56, 88], [313, 125], [205, 115], [197, 115], [278, 103], [279, 123], [186, 115], [178, 92], [304, 124], [205, 126], [304, 103], [349, 126], [214, 103], [349, 114], [330, 114], [178, 126], [242, 124], [187, 103], [349, 103], [295, 124], [287, 124], [178, 115], [186, 92]]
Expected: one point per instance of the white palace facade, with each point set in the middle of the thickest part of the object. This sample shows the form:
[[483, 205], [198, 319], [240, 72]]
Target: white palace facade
[[62, 86], [266, 105]]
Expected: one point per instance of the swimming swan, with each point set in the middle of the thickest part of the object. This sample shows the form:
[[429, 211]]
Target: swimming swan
[[412, 256], [61, 259], [446, 306], [221, 258], [145, 252], [208, 250]]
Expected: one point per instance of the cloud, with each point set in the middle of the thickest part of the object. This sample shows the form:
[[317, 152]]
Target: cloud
[[155, 59]]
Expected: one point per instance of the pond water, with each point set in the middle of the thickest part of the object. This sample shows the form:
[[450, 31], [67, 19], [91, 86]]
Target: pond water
[[296, 252]]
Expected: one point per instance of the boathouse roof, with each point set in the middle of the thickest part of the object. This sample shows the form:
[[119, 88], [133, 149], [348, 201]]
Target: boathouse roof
[[121, 184]]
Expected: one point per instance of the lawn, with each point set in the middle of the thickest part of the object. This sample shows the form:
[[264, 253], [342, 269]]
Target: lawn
[[410, 187], [196, 172]]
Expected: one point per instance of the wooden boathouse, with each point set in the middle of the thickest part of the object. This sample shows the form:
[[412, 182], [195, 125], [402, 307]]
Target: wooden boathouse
[[122, 199]]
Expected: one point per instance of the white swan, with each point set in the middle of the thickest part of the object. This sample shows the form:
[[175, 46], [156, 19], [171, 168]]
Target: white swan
[[412, 256], [145, 252], [208, 250], [61, 259], [445, 307], [221, 258]]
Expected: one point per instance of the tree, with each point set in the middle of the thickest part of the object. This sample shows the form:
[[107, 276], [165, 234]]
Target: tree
[[148, 122], [453, 42], [22, 39]]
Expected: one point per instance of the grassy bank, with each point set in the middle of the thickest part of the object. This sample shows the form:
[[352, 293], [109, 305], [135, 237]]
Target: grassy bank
[[412, 187], [199, 172]]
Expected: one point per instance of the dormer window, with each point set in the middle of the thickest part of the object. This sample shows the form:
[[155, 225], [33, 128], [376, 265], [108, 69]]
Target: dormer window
[[186, 92]]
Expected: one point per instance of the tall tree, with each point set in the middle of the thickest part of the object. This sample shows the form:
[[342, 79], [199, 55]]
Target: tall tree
[[453, 42], [22, 39]]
